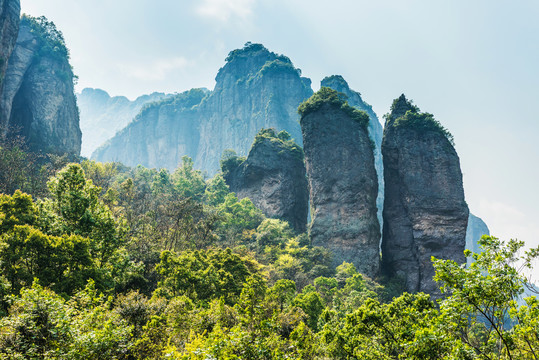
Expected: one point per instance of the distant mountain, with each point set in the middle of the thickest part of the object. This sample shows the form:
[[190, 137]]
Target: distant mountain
[[255, 89], [102, 116], [476, 229]]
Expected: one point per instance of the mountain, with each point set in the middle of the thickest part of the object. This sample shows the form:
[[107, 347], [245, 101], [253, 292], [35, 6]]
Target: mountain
[[342, 179], [425, 213], [255, 89], [476, 229], [38, 99], [102, 116], [376, 131], [10, 11], [273, 177]]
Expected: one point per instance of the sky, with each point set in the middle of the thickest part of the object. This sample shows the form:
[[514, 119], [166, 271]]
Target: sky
[[473, 64]]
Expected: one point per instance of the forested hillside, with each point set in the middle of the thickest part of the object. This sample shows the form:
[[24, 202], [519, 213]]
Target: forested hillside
[[189, 250], [134, 263]]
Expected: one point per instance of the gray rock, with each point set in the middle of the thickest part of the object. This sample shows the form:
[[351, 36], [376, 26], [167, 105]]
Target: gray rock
[[102, 116], [255, 89], [160, 135], [425, 213], [376, 131], [343, 185], [38, 100], [10, 11], [273, 177], [476, 229]]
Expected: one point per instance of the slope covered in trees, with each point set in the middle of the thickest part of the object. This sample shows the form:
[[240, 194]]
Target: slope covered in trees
[[133, 263]]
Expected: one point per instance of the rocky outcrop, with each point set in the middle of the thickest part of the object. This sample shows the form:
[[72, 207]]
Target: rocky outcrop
[[38, 100], [102, 116], [337, 82], [10, 11], [255, 89], [342, 180], [425, 213], [159, 135], [273, 178], [476, 229]]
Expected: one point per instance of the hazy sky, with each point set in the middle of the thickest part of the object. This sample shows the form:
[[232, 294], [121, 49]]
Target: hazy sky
[[473, 64]]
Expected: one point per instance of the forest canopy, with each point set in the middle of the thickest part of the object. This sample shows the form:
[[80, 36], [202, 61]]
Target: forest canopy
[[135, 263]]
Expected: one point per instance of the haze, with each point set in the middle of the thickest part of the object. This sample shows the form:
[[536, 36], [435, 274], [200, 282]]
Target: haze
[[472, 64]]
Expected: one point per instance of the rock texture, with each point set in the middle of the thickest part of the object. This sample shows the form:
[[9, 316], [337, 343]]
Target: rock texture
[[376, 132], [102, 116], [38, 100], [273, 177], [255, 89], [159, 135], [10, 11], [342, 180], [425, 213], [476, 229]]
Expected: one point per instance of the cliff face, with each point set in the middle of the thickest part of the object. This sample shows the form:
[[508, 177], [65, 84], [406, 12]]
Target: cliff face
[[425, 213], [10, 11], [342, 180], [476, 229], [38, 100], [337, 82], [273, 177], [102, 116], [159, 135], [255, 89]]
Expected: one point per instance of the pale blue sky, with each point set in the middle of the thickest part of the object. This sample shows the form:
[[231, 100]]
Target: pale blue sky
[[473, 64]]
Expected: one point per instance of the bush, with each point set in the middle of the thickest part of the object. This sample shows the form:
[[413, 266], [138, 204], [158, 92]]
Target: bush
[[336, 100]]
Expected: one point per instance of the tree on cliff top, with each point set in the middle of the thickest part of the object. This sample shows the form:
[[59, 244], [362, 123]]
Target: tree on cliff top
[[334, 99], [407, 115]]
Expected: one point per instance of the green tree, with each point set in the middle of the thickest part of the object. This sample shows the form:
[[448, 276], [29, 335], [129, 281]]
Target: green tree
[[204, 275]]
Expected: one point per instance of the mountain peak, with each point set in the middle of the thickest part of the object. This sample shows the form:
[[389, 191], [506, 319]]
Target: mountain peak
[[252, 60]]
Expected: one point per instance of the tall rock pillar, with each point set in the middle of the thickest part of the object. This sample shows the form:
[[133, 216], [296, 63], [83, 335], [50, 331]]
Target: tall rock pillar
[[10, 12], [425, 213], [342, 178], [273, 178]]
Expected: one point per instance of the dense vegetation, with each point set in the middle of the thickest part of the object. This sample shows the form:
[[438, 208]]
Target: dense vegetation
[[51, 44], [111, 262], [51, 39], [336, 100], [282, 139], [419, 121]]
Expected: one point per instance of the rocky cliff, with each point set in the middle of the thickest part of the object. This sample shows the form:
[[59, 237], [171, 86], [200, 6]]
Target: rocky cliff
[[337, 82], [38, 100], [160, 134], [10, 11], [255, 89], [102, 116], [273, 177], [424, 209], [476, 229], [342, 180]]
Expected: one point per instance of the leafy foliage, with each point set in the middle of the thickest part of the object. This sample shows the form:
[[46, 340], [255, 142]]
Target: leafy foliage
[[416, 120], [230, 161], [153, 265], [52, 39], [334, 99], [281, 139]]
